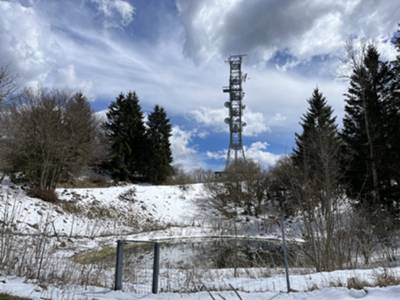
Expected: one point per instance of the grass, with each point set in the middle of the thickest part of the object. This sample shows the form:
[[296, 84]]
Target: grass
[[386, 278], [9, 297], [106, 253]]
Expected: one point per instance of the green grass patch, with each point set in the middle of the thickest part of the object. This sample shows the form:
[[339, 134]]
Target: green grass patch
[[107, 253]]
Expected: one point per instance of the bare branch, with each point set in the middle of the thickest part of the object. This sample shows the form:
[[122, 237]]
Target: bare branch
[[7, 83]]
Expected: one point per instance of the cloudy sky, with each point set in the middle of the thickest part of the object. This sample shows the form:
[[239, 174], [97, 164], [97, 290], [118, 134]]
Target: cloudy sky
[[172, 52]]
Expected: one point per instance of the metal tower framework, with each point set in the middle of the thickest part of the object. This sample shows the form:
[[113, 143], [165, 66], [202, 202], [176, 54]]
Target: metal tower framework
[[235, 106]]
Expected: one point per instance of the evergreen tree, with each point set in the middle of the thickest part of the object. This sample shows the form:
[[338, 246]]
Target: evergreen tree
[[392, 105], [318, 126], [126, 132], [364, 131], [316, 181], [158, 156]]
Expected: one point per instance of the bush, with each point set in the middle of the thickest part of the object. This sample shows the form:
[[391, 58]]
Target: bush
[[45, 195]]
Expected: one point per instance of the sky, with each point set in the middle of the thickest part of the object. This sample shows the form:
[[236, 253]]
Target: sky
[[173, 52]]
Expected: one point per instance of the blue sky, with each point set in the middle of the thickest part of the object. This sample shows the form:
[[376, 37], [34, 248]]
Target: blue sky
[[172, 53]]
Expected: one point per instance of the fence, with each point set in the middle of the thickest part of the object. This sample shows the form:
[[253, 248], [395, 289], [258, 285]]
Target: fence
[[195, 264]]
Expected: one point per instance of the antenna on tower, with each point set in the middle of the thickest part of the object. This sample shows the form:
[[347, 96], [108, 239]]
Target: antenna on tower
[[235, 107]]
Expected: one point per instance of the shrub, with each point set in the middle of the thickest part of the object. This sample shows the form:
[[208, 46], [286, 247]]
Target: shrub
[[45, 195]]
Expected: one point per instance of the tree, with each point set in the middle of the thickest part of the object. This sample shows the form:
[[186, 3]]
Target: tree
[[126, 133], [242, 191], [364, 131], [158, 155], [392, 107], [80, 134], [315, 182], [47, 136], [318, 122]]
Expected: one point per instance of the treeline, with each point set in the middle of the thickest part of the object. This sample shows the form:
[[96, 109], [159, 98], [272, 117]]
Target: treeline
[[344, 182], [363, 156], [53, 136]]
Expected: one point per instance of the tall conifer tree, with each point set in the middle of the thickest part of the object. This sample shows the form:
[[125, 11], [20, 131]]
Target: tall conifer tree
[[318, 125], [126, 132], [317, 186], [392, 104], [364, 131], [159, 156]]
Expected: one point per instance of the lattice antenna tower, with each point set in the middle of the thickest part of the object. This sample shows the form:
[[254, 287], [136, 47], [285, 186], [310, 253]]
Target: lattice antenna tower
[[235, 107]]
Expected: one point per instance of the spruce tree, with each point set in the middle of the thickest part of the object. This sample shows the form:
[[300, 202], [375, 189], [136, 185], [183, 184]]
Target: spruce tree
[[126, 133], [364, 132], [316, 184], [392, 105], [319, 126], [158, 156]]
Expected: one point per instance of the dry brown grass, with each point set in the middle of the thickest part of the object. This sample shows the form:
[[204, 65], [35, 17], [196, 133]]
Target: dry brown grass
[[386, 278]]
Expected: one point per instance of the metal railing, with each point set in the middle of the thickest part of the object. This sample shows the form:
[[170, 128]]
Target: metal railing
[[120, 263]]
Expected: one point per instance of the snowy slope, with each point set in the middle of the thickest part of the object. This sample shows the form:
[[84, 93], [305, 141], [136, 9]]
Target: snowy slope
[[166, 204], [100, 211]]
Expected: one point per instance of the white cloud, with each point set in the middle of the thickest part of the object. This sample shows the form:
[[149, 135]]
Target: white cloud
[[257, 152], [22, 45], [101, 115], [217, 155], [183, 153], [214, 120], [116, 10]]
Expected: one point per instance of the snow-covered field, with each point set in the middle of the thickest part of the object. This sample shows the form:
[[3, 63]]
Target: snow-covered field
[[93, 219]]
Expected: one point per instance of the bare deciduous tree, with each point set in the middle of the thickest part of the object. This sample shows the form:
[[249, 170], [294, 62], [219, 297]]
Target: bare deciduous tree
[[242, 190], [47, 135]]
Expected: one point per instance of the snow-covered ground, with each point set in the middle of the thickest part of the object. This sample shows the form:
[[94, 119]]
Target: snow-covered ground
[[317, 286], [166, 204]]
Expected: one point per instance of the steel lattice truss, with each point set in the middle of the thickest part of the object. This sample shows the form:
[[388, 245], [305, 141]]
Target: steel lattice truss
[[235, 106]]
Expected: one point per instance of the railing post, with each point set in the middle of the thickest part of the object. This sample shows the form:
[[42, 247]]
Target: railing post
[[285, 256], [119, 265], [156, 268]]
